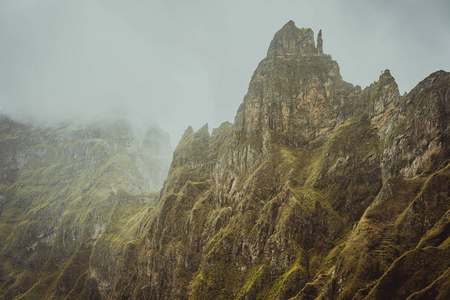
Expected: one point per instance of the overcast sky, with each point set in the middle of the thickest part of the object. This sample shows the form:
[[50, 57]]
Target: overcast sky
[[182, 63]]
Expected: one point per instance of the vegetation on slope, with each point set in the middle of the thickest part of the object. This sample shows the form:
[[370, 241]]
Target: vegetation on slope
[[68, 191]]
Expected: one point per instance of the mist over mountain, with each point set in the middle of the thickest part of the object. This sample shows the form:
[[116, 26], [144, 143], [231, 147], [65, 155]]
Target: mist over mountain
[[319, 189], [182, 64]]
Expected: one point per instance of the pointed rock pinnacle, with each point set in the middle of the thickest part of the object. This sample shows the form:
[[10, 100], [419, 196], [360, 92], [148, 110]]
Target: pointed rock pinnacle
[[319, 43]]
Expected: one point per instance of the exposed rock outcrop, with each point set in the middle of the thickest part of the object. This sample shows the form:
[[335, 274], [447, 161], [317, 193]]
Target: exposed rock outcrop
[[319, 42], [294, 203], [290, 42], [318, 190]]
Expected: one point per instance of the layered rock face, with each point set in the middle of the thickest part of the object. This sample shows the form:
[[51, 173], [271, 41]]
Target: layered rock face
[[318, 190], [292, 89]]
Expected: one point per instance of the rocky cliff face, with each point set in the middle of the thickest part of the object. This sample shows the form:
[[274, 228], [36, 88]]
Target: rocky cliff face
[[295, 90], [318, 190]]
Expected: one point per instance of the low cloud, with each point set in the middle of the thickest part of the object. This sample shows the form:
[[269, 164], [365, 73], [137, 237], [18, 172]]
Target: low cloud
[[183, 63]]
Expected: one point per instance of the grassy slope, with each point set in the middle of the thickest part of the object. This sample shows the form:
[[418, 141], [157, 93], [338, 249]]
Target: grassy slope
[[70, 205]]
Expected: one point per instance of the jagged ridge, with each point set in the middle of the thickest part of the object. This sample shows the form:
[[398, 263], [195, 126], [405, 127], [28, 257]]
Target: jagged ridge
[[285, 202], [317, 190]]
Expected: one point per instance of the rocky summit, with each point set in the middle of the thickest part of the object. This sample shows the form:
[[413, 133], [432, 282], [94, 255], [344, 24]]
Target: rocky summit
[[318, 190]]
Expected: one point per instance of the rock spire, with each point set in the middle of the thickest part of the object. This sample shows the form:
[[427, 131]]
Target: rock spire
[[319, 43]]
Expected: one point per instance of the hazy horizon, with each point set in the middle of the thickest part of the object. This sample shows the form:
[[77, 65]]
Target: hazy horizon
[[181, 64]]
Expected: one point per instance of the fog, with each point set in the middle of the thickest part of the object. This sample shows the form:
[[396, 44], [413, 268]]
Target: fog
[[181, 63]]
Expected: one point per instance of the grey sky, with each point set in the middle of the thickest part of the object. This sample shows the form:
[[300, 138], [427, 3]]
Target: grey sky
[[184, 63]]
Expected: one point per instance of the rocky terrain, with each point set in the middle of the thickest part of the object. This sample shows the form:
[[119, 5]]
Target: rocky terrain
[[318, 190], [67, 190]]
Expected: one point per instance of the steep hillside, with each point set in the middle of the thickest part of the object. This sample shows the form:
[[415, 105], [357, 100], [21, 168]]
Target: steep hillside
[[318, 190], [64, 192]]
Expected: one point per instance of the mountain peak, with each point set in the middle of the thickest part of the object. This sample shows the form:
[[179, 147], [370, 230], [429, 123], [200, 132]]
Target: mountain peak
[[291, 41], [290, 24], [314, 177]]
